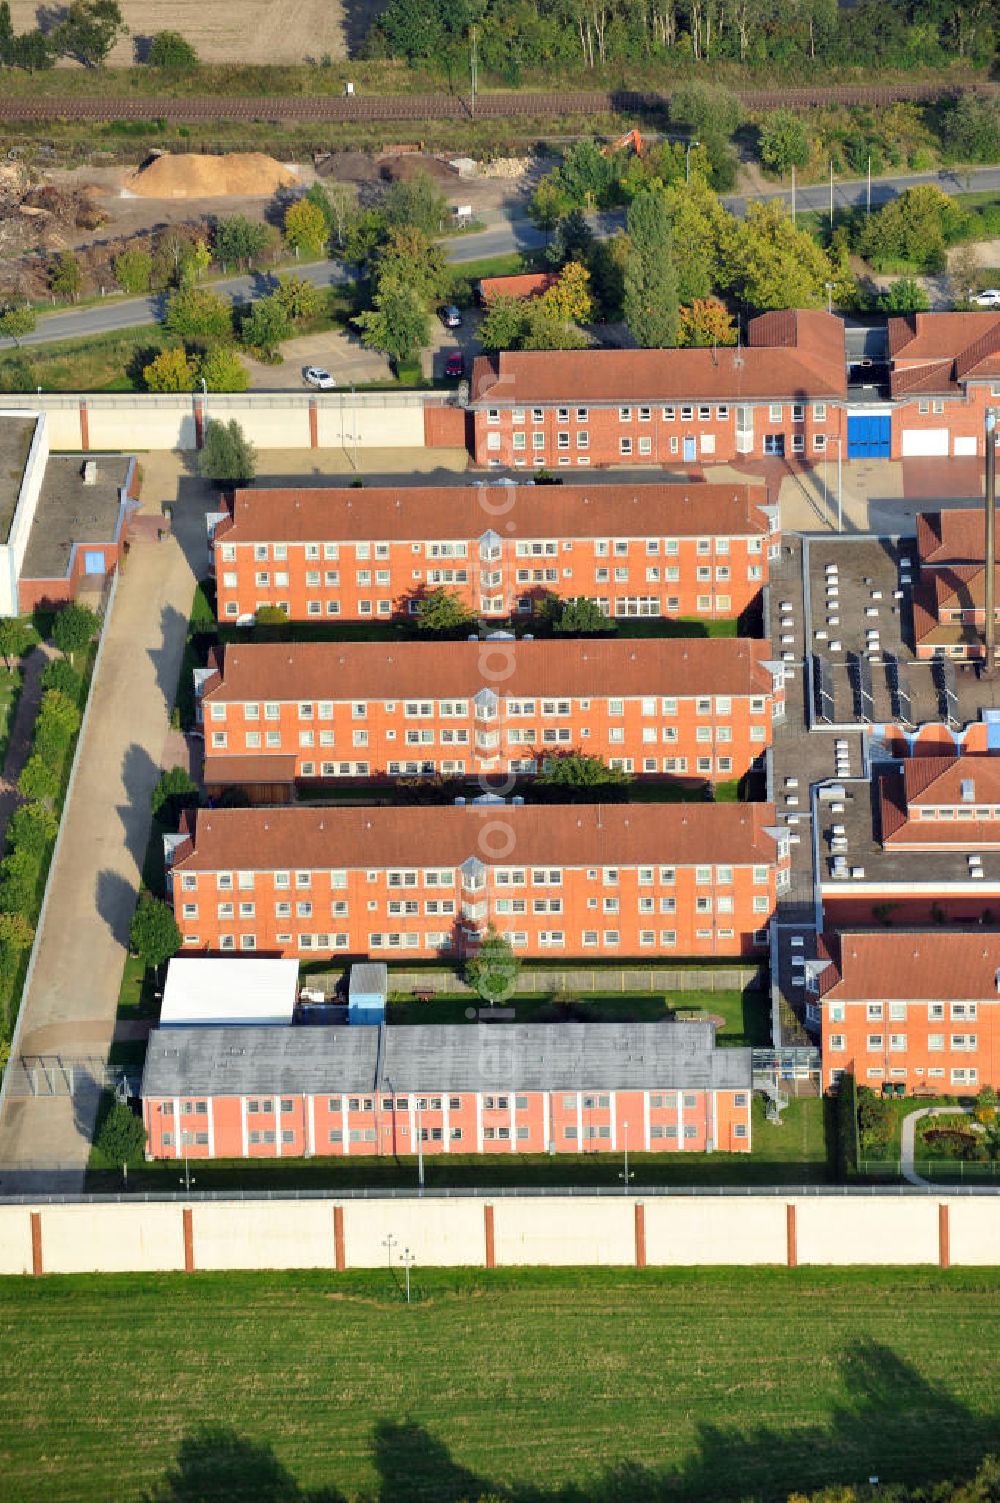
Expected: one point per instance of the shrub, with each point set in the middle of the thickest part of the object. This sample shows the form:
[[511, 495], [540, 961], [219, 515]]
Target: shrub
[[169, 49], [59, 675], [847, 1127], [172, 370], [121, 1137], [784, 141], [153, 934], [227, 456], [175, 791], [134, 270], [74, 628], [32, 828], [38, 780], [305, 227], [223, 370]]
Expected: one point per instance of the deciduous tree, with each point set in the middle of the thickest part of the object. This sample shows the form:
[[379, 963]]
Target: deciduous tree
[[704, 322], [305, 227], [89, 31], [398, 324], [65, 275], [16, 637], [169, 49], [493, 970], [16, 321], [221, 369], [442, 610], [197, 313], [770, 263], [265, 326], [74, 627], [227, 456], [238, 241], [784, 141], [153, 934], [171, 370], [576, 769], [134, 270]]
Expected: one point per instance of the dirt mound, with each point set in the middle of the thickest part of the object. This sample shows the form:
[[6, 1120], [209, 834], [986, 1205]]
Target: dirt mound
[[408, 165], [247, 174]]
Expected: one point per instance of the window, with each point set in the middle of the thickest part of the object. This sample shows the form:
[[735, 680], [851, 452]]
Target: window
[[625, 446]]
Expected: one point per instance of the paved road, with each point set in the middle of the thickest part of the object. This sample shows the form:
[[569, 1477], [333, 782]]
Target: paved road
[[70, 1007], [501, 236]]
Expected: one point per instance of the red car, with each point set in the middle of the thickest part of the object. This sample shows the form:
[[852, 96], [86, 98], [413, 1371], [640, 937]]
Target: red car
[[454, 365]]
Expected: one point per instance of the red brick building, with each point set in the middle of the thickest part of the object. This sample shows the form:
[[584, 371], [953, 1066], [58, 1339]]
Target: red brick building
[[782, 394], [559, 880], [922, 1008], [361, 555], [517, 1088], [945, 372], [274, 715], [949, 605]]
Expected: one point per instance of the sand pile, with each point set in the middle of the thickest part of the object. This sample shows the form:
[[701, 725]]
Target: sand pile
[[187, 175]]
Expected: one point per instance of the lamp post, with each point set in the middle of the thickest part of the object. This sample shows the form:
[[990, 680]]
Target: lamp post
[[420, 1143], [829, 296], [408, 1259], [625, 1175], [687, 160], [387, 1242], [188, 1179]]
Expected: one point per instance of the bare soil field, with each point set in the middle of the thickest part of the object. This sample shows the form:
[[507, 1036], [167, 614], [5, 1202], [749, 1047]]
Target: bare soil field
[[231, 31]]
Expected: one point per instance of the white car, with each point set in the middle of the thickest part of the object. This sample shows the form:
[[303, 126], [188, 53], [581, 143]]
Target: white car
[[988, 299], [317, 376]]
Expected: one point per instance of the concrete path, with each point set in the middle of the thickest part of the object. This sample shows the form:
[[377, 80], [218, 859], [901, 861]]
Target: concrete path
[[71, 1005], [908, 1134], [19, 741]]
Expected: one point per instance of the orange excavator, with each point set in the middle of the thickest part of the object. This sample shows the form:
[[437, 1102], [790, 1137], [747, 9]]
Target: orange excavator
[[630, 138]]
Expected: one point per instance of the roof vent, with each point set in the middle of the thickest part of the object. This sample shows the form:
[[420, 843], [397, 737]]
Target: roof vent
[[89, 472], [967, 791]]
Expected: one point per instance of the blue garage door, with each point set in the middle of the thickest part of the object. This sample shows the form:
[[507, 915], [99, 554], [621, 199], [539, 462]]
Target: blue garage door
[[868, 437]]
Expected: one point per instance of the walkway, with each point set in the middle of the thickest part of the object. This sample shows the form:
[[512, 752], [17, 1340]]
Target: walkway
[[19, 741], [70, 1008], [907, 1138]]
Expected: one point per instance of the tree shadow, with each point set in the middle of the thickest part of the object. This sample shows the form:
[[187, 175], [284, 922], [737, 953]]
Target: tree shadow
[[891, 1422], [115, 900], [165, 657], [140, 775]]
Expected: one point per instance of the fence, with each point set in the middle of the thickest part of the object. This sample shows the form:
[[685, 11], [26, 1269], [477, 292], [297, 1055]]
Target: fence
[[476, 1230], [577, 980], [935, 1171]]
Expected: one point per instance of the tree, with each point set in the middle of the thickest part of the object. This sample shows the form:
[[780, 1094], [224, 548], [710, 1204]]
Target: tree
[[38, 781], [699, 227], [16, 931], [32, 828], [298, 298], [705, 322], [505, 324], [549, 202], [784, 141], [238, 241], [271, 615], [398, 324], [570, 299], [970, 130], [770, 263], [572, 241], [15, 639], [546, 330], [265, 326], [6, 34], [417, 201], [175, 791], [17, 320], [904, 296], [493, 970], [32, 51], [338, 204], [197, 313], [57, 723], [578, 616], [443, 610], [121, 1137], [223, 370], [89, 31], [171, 370], [964, 275], [65, 275], [227, 456], [153, 934], [409, 255], [913, 229], [305, 227], [134, 270], [194, 260], [650, 301], [578, 770], [706, 109], [58, 674], [75, 626], [169, 49]]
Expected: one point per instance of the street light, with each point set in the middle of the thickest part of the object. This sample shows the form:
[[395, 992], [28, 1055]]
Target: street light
[[420, 1143], [687, 160], [829, 296], [407, 1260], [625, 1175], [387, 1242], [189, 1178]]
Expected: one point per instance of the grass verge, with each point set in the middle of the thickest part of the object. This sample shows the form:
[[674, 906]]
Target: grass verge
[[548, 1385]]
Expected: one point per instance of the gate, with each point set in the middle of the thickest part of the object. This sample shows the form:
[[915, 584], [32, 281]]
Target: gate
[[869, 436]]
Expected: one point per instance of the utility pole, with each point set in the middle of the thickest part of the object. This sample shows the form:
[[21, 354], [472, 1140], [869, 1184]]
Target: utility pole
[[989, 667], [626, 1176], [840, 485], [473, 67], [408, 1258], [420, 1144], [188, 1179]]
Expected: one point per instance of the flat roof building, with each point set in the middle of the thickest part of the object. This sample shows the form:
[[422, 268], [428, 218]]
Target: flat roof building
[[206, 991]]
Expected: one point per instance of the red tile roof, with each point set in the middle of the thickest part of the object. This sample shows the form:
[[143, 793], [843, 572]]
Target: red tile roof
[[318, 839], [375, 670], [531, 284], [793, 355], [406, 513], [923, 965], [937, 351], [954, 536], [932, 781]]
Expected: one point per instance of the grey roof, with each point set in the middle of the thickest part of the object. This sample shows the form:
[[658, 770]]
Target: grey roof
[[239, 1061], [368, 977], [69, 511], [446, 1057]]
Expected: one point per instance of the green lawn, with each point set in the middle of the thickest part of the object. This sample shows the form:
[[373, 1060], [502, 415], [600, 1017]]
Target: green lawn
[[102, 362], [548, 1386]]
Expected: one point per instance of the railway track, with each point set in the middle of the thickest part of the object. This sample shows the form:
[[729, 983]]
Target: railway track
[[331, 108]]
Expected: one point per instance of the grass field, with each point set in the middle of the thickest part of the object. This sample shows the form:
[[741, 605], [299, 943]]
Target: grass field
[[576, 1386], [103, 362]]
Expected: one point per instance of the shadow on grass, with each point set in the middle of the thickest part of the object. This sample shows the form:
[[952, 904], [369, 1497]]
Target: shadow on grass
[[892, 1421]]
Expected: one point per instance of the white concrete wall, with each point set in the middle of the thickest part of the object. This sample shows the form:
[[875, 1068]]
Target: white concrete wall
[[15, 1239], [576, 1231], [679, 1231], [112, 1238], [12, 552], [377, 427], [715, 1230], [439, 1233], [141, 427]]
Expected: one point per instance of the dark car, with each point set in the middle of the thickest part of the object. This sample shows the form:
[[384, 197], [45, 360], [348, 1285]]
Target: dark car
[[450, 316], [454, 364]]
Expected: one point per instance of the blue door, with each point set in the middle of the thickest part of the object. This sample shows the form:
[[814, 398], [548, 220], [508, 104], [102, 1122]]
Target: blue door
[[868, 436], [690, 451]]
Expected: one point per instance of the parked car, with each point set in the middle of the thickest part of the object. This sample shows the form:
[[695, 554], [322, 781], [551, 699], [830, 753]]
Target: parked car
[[317, 376], [454, 364], [988, 299], [450, 316]]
